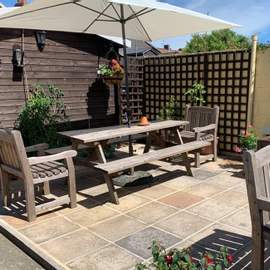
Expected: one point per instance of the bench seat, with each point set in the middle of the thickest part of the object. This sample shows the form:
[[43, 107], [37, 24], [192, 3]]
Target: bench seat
[[131, 162], [115, 166]]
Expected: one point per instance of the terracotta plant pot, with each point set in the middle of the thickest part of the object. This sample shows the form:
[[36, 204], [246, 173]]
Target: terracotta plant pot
[[144, 121]]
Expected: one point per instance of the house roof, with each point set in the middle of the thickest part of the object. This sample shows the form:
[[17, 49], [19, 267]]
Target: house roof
[[140, 47]]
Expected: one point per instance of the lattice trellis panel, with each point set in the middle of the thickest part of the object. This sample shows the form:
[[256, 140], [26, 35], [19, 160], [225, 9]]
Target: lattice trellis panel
[[136, 83], [225, 76]]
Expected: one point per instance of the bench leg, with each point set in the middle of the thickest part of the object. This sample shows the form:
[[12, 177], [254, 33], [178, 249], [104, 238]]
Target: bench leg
[[71, 183], [215, 150], [30, 200], [197, 159], [46, 188], [187, 165], [4, 187], [112, 191]]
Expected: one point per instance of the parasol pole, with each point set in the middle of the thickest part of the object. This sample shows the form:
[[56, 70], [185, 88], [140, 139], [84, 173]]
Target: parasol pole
[[123, 22]]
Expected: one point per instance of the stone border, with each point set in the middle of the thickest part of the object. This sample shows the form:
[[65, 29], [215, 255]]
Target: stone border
[[32, 250]]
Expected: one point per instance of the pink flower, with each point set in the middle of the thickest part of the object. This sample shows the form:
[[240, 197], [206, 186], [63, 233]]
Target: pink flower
[[237, 149]]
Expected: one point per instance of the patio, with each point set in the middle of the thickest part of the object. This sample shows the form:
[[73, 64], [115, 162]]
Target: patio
[[206, 211]]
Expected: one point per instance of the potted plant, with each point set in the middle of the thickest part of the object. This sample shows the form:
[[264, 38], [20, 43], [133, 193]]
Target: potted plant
[[176, 259], [171, 111], [112, 73], [248, 140]]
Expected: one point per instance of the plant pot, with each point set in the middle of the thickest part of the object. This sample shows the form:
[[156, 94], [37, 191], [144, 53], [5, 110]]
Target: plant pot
[[207, 150], [113, 80]]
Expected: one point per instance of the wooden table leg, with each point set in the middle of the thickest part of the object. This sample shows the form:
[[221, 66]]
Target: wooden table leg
[[108, 179], [147, 143], [185, 155], [100, 153]]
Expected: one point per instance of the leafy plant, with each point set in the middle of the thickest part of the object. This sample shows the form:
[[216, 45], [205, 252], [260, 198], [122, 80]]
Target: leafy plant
[[38, 118], [113, 69], [217, 41], [176, 259], [172, 110], [196, 94], [248, 140]]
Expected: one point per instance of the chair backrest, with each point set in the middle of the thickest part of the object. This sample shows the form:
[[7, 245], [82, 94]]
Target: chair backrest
[[200, 116], [257, 172], [12, 150]]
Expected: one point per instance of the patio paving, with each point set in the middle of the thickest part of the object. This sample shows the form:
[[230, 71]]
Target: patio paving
[[205, 212]]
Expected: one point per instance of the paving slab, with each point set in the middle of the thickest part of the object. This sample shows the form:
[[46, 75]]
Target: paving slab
[[49, 229], [140, 242], [152, 212], [73, 245], [181, 199], [13, 258], [183, 224], [111, 257], [118, 227]]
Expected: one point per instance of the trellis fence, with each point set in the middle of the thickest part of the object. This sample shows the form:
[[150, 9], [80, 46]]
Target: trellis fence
[[226, 78]]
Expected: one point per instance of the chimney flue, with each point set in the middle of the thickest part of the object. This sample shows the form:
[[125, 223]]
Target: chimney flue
[[20, 3], [167, 47]]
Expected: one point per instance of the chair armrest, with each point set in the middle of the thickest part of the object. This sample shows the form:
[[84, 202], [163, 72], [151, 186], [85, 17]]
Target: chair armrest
[[205, 128], [37, 147], [263, 203], [59, 156]]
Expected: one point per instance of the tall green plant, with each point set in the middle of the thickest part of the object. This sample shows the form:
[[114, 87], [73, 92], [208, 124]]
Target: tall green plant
[[196, 94], [171, 110], [38, 118]]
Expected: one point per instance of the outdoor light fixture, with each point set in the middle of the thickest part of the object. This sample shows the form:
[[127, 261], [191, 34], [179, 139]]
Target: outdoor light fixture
[[41, 39], [17, 57]]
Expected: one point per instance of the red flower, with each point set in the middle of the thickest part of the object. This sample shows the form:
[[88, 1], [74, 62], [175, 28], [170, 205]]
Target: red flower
[[209, 260], [230, 259], [114, 62], [168, 259]]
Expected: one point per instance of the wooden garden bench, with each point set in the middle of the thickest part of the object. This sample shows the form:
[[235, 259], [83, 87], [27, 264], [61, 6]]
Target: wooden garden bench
[[203, 125], [115, 166], [257, 171], [34, 170]]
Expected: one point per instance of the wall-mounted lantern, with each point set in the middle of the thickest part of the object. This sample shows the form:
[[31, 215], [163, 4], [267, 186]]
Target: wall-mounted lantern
[[41, 39], [17, 56]]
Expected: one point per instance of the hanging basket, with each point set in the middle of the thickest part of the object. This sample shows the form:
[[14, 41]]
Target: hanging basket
[[113, 80]]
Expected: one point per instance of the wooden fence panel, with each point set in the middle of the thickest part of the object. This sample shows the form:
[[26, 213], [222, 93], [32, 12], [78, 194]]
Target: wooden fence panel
[[226, 78]]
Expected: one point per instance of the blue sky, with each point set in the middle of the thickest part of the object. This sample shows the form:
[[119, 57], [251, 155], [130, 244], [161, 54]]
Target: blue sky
[[253, 15]]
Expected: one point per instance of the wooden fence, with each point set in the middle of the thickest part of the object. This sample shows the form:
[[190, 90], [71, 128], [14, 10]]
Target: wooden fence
[[225, 76]]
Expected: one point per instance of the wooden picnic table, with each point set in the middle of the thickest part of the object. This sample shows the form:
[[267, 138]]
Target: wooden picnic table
[[98, 137]]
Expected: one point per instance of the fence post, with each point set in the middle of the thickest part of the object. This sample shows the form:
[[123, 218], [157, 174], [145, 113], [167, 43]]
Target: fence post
[[252, 76]]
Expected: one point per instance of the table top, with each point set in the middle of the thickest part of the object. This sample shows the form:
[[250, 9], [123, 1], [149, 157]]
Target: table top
[[113, 132]]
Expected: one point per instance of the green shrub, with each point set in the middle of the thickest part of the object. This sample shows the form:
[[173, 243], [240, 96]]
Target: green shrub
[[196, 94], [171, 111], [38, 118]]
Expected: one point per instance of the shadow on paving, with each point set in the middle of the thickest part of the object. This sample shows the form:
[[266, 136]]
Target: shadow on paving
[[238, 245]]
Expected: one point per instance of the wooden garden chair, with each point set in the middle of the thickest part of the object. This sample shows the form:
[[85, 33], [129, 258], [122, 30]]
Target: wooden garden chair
[[34, 170], [203, 125], [257, 171]]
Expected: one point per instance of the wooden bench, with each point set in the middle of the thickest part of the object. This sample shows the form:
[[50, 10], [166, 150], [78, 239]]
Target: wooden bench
[[115, 166]]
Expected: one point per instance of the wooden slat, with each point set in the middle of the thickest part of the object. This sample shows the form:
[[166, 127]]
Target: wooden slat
[[50, 205], [126, 163]]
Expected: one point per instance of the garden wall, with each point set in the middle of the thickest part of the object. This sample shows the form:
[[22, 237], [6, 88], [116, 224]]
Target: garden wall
[[261, 112], [225, 76], [68, 61]]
